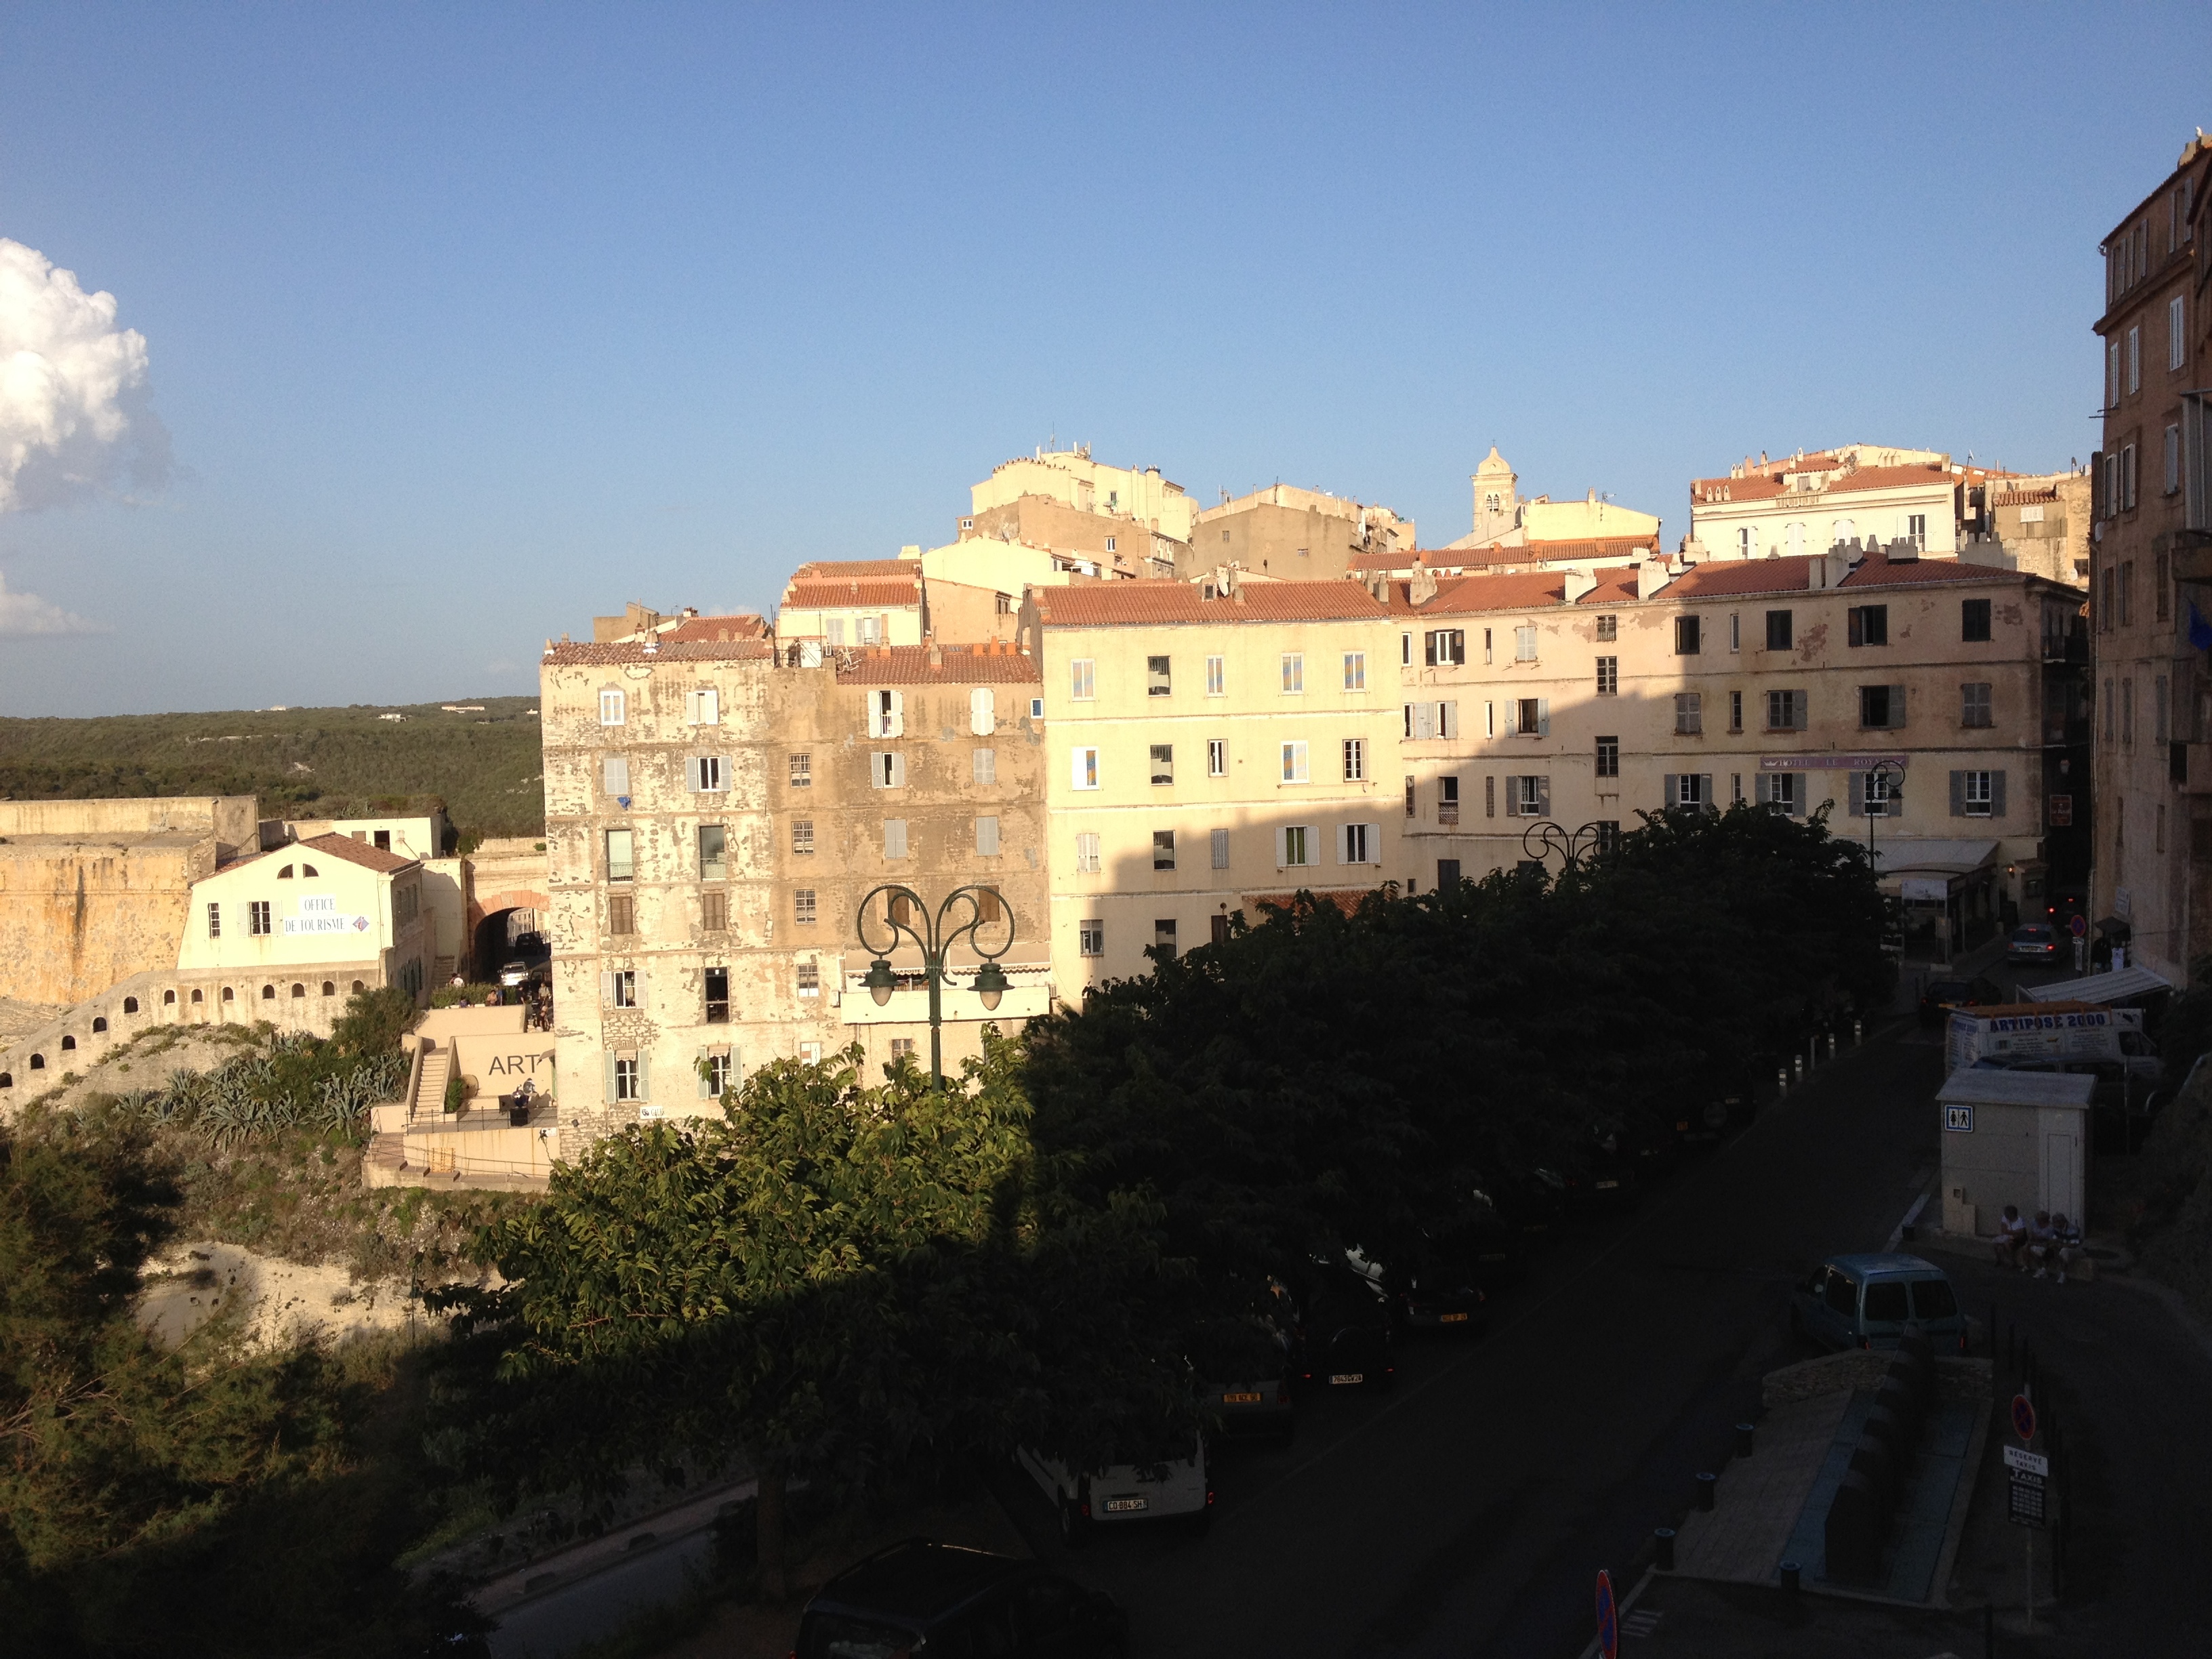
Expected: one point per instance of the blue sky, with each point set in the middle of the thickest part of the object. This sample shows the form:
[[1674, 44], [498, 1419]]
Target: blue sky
[[467, 322]]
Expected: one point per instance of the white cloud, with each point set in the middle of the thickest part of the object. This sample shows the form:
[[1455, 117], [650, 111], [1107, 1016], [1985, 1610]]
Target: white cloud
[[74, 420], [26, 613]]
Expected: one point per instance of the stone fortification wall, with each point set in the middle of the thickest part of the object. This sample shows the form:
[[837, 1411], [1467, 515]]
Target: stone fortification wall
[[80, 912]]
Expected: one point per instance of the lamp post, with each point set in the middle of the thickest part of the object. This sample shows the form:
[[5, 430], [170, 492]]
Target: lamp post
[[935, 936], [1882, 778], [1572, 846]]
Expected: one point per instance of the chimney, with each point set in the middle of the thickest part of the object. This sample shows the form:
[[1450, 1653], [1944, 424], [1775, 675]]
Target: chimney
[[1423, 587], [1579, 583], [936, 655], [1830, 568], [1651, 575]]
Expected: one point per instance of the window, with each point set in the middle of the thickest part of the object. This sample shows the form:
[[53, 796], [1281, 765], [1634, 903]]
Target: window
[[1447, 798], [1409, 798], [1913, 528], [621, 915], [802, 771], [1220, 928], [2127, 710], [215, 922], [622, 988], [1294, 762], [1164, 849], [613, 707], [1086, 853], [2134, 359], [1689, 791], [1489, 799], [1974, 794], [1294, 673], [1881, 707], [2127, 476], [1868, 624], [1486, 645], [705, 773], [2158, 709], [1163, 762], [1686, 636], [257, 918], [1163, 934], [1294, 845], [1447, 874], [1608, 627], [2111, 374], [1780, 630], [1358, 847], [894, 838], [1974, 620], [1735, 632], [1736, 711], [1974, 704], [2162, 587], [2177, 342], [1531, 716], [1036, 712], [1689, 720], [1216, 677], [1217, 757], [1608, 758], [1532, 797], [1524, 643], [1157, 681], [1083, 680], [1355, 671], [2127, 592], [614, 775], [1608, 835], [628, 1084], [620, 867], [902, 1049], [1218, 845], [2172, 461], [1090, 938], [702, 706], [1405, 650], [715, 912], [1785, 711], [988, 905], [1747, 542], [718, 1075], [986, 835], [714, 848], [1609, 677], [2110, 704], [1083, 769], [1355, 760], [718, 996], [1784, 790]]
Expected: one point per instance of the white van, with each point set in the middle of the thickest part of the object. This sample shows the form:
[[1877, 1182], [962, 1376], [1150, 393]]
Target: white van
[[1124, 1491]]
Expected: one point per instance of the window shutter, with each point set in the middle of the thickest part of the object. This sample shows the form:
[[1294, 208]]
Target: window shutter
[[644, 1078], [1448, 719], [607, 991], [1996, 794], [1958, 794], [1897, 707], [607, 1078], [1375, 844], [894, 838], [691, 708], [875, 768], [1078, 774], [897, 721], [1763, 788], [1859, 795], [986, 835], [1543, 717], [1424, 720], [1855, 620], [1429, 641], [615, 774], [982, 711], [898, 770], [1512, 797], [1343, 843], [1705, 801], [1674, 791], [699, 1070], [1544, 797], [1282, 849], [691, 774]]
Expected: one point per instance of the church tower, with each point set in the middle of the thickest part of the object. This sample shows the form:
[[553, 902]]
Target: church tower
[[1497, 506]]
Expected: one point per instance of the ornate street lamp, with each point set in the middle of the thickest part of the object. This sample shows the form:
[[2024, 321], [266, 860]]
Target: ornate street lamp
[[1572, 846], [935, 936], [1884, 778]]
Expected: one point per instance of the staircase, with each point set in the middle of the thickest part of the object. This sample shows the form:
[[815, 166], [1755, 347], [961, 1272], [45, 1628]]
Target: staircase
[[430, 1099]]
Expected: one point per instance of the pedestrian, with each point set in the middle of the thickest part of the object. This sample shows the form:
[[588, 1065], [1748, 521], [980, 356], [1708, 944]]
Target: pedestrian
[[2041, 1243], [2066, 1244], [2012, 1239]]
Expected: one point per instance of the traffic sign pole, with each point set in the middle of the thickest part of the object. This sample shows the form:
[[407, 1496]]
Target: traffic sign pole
[[1609, 1617]]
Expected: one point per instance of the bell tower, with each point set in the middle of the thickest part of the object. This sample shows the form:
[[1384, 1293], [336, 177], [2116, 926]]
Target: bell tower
[[1496, 505]]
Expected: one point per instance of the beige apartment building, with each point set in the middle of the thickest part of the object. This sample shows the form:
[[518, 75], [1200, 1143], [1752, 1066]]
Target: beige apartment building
[[344, 908], [715, 811], [1584, 699], [2151, 579], [1136, 495], [853, 602], [1295, 535], [1207, 750]]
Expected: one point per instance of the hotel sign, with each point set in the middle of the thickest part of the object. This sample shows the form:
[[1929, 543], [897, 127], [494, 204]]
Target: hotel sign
[[1828, 762]]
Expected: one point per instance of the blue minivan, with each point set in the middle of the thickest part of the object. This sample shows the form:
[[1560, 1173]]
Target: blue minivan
[[1866, 1301]]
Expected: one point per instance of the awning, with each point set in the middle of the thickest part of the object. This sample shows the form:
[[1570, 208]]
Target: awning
[[1997, 1085], [2105, 988], [2116, 927], [1919, 856]]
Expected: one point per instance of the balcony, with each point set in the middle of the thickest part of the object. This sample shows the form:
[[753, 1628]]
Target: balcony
[[1448, 815]]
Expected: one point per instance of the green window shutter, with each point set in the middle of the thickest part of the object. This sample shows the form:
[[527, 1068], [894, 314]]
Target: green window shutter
[[644, 1079], [699, 1070]]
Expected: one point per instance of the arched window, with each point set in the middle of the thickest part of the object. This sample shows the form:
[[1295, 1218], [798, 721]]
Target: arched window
[[169, 997], [130, 1004], [330, 988], [229, 996], [285, 874], [98, 1023], [37, 1062], [358, 986], [6, 1079], [68, 1043], [196, 997], [309, 870], [298, 989], [269, 994]]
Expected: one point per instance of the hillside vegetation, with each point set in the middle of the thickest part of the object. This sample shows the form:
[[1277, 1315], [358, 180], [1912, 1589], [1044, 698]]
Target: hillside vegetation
[[303, 762]]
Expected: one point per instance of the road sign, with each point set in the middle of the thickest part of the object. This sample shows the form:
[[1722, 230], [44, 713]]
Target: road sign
[[2027, 1463], [1609, 1617], [2026, 1507], [2079, 927], [2061, 816], [2023, 1417]]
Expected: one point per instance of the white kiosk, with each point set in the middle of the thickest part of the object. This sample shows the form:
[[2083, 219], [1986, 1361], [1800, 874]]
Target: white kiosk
[[2017, 1138]]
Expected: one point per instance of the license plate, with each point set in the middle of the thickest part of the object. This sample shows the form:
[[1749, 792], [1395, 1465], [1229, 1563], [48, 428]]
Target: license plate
[[1123, 1505], [1606, 1186], [1451, 1319], [1349, 1377], [1240, 1399]]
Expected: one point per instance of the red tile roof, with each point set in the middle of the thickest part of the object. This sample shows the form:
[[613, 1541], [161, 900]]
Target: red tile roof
[[1107, 604], [806, 595], [848, 569], [1793, 574], [1526, 590], [1346, 899], [957, 664], [2022, 497], [335, 846], [745, 625], [586, 652]]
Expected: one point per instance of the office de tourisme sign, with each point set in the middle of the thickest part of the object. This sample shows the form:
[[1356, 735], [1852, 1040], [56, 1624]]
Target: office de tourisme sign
[[318, 914]]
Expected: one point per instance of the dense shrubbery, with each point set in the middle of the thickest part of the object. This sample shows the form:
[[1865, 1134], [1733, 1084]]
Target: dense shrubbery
[[298, 1082]]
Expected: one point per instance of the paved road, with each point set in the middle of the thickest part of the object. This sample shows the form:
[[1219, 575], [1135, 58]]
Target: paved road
[[1467, 1513]]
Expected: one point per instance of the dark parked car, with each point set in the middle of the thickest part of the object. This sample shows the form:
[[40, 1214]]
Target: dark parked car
[[1939, 994], [1348, 1330], [1245, 1369], [1866, 1301], [1611, 1177], [1438, 1291], [930, 1598]]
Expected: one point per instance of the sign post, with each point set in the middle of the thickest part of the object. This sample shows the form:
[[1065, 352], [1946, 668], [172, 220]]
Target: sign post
[[2028, 1477], [2079, 927], [1609, 1617]]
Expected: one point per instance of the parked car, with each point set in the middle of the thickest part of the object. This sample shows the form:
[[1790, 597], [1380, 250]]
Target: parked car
[[1176, 1488], [1939, 994], [1438, 1292], [1246, 1370], [1349, 1330], [2033, 941], [1611, 1175], [1481, 1238], [921, 1597], [1866, 1302], [514, 973]]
